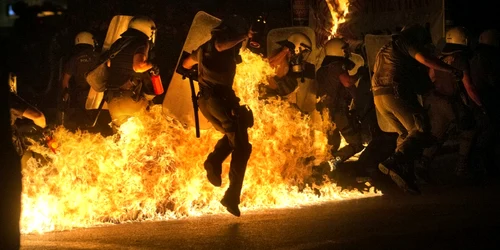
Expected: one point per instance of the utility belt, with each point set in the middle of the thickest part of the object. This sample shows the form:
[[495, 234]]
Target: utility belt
[[399, 92], [131, 85], [218, 91], [132, 88]]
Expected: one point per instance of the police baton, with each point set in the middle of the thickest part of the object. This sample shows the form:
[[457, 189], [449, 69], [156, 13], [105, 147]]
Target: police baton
[[194, 98], [192, 74], [99, 109]]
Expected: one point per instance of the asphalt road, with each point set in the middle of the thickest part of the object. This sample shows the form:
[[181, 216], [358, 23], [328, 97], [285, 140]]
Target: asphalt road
[[443, 217]]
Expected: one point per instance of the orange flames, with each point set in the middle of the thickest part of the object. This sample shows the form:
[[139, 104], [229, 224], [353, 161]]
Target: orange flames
[[152, 169], [339, 10]]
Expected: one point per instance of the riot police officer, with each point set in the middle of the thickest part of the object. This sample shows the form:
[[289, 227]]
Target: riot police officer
[[336, 90], [216, 60], [485, 63], [290, 65], [398, 78], [129, 77], [451, 101], [74, 85]]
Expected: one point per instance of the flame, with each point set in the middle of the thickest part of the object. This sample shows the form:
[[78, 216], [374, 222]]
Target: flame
[[152, 169], [338, 10]]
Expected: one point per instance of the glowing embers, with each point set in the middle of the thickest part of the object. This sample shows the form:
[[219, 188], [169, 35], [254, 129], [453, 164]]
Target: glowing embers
[[152, 169]]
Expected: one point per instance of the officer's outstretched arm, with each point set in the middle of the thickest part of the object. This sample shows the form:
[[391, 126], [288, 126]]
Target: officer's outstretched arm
[[36, 116], [277, 59], [141, 63], [225, 44], [433, 63], [471, 89]]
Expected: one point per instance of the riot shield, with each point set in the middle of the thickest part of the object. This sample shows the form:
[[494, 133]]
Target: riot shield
[[305, 94], [358, 61], [117, 26], [373, 43], [178, 103]]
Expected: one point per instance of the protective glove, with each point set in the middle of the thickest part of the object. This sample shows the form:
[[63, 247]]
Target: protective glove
[[155, 70]]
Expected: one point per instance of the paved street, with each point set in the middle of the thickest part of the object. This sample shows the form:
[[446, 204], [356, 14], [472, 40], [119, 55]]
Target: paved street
[[443, 217]]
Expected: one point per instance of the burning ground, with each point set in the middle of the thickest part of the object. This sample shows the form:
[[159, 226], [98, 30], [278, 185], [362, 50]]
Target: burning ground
[[152, 169]]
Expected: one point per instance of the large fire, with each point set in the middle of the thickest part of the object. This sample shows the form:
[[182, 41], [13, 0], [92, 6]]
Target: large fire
[[339, 10], [152, 169]]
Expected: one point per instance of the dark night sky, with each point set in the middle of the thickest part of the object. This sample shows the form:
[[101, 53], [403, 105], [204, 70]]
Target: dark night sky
[[475, 15]]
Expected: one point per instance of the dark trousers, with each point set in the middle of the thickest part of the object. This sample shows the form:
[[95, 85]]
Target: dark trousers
[[409, 120], [345, 125], [485, 147], [10, 199], [443, 112], [219, 111]]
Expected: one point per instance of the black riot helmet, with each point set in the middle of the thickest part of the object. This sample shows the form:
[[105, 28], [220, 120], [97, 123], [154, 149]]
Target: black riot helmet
[[233, 25]]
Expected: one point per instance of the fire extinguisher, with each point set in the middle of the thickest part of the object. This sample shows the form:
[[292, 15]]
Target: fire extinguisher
[[156, 80]]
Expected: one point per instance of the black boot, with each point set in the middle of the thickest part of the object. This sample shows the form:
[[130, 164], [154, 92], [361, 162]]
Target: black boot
[[401, 172], [231, 204], [214, 171], [213, 164]]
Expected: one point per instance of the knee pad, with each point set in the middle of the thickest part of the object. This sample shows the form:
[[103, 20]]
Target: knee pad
[[245, 116]]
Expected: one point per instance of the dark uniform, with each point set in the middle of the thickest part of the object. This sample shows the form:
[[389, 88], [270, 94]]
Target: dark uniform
[[397, 80], [220, 105], [83, 60], [125, 87], [10, 178], [485, 73], [449, 103], [17, 107], [337, 99], [289, 82]]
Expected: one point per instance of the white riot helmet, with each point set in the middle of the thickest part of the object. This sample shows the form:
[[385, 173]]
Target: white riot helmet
[[300, 46], [337, 47], [145, 25], [300, 41], [457, 35], [85, 37], [490, 37]]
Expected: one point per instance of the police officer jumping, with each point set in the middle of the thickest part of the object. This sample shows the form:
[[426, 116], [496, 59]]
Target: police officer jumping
[[218, 102]]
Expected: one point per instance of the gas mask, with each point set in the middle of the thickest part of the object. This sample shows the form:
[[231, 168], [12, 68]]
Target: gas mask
[[299, 57]]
